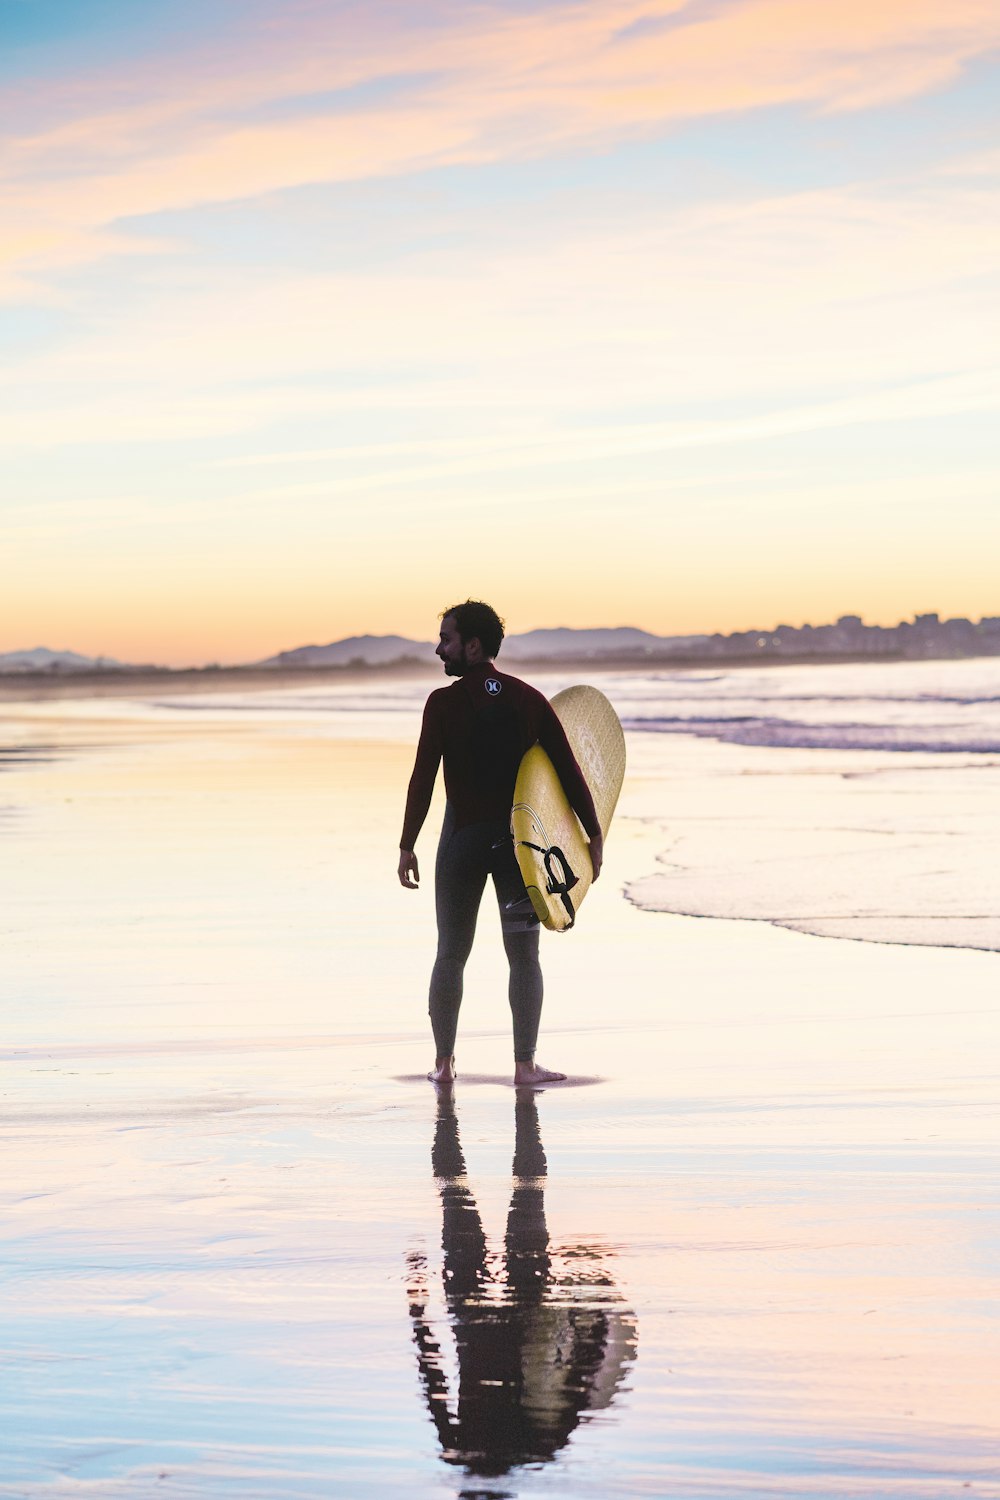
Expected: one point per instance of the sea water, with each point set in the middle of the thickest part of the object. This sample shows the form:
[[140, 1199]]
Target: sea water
[[849, 800], [246, 1250]]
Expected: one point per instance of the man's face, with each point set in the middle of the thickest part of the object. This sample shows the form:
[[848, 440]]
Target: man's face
[[451, 650]]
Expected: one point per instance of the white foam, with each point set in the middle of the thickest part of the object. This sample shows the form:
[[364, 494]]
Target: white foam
[[806, 815]]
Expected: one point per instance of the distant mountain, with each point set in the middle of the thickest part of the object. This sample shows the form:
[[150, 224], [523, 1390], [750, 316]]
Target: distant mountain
[[619, 640], [373, 650], [377, 650], [41, 659], [926, 637], [381, 650]]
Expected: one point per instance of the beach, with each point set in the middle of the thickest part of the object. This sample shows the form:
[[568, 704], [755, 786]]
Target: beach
[[751, 1251]]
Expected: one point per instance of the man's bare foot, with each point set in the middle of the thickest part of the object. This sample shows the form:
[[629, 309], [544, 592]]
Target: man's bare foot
[[443, 1071], [530, 1073]]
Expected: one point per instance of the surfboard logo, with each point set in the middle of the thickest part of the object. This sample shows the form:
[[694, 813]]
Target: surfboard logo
[[493, 686]]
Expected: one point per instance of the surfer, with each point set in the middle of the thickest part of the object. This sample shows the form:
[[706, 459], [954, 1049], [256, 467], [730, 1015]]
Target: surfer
[[481, 726]]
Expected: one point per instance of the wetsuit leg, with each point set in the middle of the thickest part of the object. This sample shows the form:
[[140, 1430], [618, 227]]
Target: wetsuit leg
[[465, 858], [520, 940], [463, 863]]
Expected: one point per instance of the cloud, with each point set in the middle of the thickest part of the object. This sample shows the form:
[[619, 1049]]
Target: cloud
[[922, 401], [787, 297], [981, 164], [460, 85]]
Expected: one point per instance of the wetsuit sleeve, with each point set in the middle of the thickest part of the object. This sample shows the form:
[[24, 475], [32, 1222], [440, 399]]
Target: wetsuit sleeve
[[552, 738], [425, 768]]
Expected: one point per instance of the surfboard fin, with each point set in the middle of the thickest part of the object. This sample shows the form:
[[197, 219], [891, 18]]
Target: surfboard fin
[[524, 911]]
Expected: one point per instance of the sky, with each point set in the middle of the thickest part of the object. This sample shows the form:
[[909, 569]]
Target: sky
[[319, 317]]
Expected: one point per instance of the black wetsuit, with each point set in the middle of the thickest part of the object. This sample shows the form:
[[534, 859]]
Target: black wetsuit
[[481, 726]]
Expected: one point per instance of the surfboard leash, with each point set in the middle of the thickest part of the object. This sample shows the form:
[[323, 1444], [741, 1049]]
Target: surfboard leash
[[556, 886]]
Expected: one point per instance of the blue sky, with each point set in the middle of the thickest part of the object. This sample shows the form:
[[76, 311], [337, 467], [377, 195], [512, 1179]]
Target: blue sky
[[314, 316]]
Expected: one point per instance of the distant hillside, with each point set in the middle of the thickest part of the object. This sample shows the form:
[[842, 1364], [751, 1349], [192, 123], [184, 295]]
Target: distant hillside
[[563, 641], [41, 659], [374, 650], [380, 650], [927, 637]]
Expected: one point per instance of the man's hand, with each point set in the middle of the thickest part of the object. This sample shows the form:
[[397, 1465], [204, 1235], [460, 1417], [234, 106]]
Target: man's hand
[[409, 873], [597, 853]]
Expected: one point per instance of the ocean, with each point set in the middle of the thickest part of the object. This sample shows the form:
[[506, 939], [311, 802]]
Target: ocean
[[750, 1250]]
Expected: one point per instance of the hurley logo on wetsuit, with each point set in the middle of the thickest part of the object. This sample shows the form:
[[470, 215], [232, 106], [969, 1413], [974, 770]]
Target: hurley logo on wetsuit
[[493, 686]]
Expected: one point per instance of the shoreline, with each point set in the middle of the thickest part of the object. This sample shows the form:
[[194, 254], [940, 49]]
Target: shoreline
[[853, 841], [232, 1197], [123, 683]]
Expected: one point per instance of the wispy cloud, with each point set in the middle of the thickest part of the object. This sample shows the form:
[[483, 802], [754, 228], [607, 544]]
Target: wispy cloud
[[920, 402], [746, 340], [807, 292], [484, 85]]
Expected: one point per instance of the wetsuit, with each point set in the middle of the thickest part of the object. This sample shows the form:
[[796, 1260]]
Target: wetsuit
[[480, 727]]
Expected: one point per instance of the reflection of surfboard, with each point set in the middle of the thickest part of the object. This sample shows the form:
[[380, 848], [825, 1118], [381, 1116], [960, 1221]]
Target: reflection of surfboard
[[551, 846], [563, 1339]]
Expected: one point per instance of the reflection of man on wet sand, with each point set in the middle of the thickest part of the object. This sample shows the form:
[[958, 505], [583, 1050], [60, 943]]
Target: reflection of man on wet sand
[[540, 1339], [480, 727]]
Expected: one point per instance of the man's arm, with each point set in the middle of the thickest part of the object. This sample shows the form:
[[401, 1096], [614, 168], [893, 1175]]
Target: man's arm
[[419, 793], [552, 738], [596, 847]]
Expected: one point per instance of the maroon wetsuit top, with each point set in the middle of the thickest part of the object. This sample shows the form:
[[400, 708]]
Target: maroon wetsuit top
[[481, 725]]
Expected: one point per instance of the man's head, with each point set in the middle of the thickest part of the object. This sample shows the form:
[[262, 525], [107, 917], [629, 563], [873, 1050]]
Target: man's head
[[470, 633]]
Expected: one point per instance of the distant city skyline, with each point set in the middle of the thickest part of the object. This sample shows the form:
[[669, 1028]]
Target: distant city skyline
[[649, 310], [925, 635]]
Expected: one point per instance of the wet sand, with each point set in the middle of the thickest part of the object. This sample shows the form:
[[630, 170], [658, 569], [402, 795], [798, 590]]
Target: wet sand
[[248, 1251]]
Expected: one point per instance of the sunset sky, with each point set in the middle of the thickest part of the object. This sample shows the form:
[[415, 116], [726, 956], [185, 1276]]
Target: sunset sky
[[320, 315]]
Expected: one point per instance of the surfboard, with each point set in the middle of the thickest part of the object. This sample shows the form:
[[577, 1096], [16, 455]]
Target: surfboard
[[550, 843]]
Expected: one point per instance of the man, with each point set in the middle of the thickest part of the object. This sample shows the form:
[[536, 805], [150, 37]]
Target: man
[[481, 726]]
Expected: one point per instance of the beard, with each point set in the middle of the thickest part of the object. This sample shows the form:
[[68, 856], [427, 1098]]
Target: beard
[[457, 668]]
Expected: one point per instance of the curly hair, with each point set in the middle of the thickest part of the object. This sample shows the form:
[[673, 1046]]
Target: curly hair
[[476, 620]]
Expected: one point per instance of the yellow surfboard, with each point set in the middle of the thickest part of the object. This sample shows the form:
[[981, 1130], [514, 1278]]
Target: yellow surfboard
[[551, 845]]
